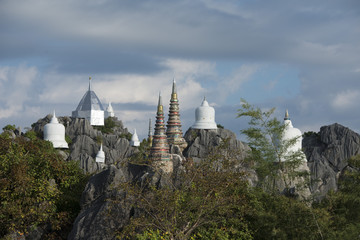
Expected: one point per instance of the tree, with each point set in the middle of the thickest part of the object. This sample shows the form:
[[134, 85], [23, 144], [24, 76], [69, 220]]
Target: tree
[[37, 186], [206, 200], [270, 152]]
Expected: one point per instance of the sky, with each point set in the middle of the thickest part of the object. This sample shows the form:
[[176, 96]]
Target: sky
[[298, 55]]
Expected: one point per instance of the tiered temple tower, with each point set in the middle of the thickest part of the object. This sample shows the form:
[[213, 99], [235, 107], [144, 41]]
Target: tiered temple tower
[[173, 130], [150, 135], [160, 148]]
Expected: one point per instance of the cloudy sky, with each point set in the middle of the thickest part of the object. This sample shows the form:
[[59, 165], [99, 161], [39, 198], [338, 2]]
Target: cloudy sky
[[298, 55]]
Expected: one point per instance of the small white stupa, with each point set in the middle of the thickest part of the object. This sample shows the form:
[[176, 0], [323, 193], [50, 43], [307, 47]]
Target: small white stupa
[[134, 142], [290, 133], [204, 117], [90, 108], [109, 112], [55, 133], [100, 156]]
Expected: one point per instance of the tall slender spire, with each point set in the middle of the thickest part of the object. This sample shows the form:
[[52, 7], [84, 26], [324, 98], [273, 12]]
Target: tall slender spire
[[150, 135], [160, 148], [174, 90], [89, 83], [173, 130]]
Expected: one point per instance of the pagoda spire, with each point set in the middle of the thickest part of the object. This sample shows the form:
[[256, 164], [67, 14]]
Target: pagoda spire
[[89, 83], [287, 115], [173, 131], [160, 148]]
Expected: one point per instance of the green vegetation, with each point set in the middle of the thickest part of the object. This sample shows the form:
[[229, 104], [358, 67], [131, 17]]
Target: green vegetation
[[109, 124], [269, 151], [9, 128], [37, 187]]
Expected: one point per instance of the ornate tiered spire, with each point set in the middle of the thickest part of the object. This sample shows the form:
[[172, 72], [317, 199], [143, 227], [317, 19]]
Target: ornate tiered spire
[[150, 134], [160, 147], [173, 131]]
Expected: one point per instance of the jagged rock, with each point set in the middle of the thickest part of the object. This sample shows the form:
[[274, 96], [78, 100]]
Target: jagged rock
[[85, 142], [105, 207], [327, 153], [201, 142]]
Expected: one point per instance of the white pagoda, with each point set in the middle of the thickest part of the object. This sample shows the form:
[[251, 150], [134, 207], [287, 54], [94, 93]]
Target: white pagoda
[[90, 108], [204, 117]]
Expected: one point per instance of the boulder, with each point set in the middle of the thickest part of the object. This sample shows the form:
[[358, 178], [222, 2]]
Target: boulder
[[201, 142], [327, 153]]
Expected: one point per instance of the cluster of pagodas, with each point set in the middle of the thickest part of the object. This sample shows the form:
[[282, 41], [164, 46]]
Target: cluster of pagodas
[[91, 109], [164, 137]]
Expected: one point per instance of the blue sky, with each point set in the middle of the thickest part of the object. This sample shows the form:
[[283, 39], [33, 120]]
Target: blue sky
[[298, 55]]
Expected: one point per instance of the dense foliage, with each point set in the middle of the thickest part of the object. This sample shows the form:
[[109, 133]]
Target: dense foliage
[[37, 187]]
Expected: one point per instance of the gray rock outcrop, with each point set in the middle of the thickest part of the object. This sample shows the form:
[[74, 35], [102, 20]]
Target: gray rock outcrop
[[85, 142], [327, 153], [201, 142]]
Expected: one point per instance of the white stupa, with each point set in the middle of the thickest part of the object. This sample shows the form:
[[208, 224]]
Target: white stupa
[[90, 108], [55, 133], [134, 142], [100, 156], [290, 133], [109, 112], [204, 117]]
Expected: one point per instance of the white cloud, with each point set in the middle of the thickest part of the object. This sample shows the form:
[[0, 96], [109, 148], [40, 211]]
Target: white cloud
[[131, 88], [18, 89], [346, 99]]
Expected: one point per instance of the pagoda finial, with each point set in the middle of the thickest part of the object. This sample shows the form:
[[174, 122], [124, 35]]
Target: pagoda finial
[[89, 83], [160, 106], [287, 115], [150, 128], [174, 90]]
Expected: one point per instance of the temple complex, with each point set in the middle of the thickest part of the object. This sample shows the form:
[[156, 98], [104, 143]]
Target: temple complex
[[55, 133], [204, 117], [159, 152], [90, 108], [173, 127]]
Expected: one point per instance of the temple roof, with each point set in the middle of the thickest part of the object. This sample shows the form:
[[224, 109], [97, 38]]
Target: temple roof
[[89, 101]]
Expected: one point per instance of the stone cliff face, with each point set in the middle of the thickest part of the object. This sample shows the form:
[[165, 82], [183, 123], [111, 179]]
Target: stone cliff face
[[106, 209], [327, 153], [85, 142], [201, 142]]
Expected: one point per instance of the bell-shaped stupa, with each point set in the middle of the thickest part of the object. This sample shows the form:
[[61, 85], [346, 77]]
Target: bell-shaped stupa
[[204, 117], [290, 133], [135, 142], [109, 112], [90, 108], [173, 127], [100, 156], [160, 148], [55, 133]]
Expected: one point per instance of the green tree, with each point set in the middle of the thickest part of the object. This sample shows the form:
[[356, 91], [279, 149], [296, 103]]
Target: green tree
[[209, 200], [269, 151], [35, 186]]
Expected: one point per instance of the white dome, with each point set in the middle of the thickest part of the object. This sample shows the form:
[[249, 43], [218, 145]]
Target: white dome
[[100, 156], [290, 133], [135, 142], [204, 117], [55, 133], [109, 111]]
